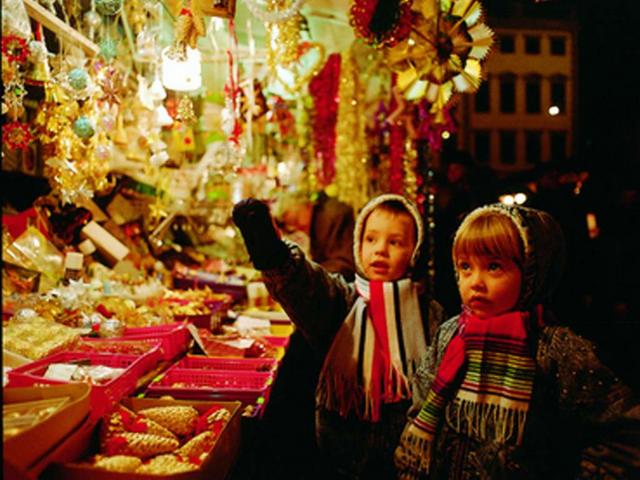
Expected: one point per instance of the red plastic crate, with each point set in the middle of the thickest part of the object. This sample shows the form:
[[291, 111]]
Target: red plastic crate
[[103, 396], [277, 341], [175, 338], [212, 384], [200, 320], [110, 345], [200, 362]]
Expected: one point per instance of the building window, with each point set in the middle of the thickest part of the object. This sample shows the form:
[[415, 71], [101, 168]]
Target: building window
[[482, 141], [507, 44], [508, 93], [533, 94], [533, 152], [532, 44], [558, 45], [558, 93], [508, 147], [558, 145], [482, 98]]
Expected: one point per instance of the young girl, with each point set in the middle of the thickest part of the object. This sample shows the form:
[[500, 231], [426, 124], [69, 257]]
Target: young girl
[[371, 333], [503, 393]]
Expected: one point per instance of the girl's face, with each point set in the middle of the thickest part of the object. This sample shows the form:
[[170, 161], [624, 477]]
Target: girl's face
[[387, 245], [489, 286]]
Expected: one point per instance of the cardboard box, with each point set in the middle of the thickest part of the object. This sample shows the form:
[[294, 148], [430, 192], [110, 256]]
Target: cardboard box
[[217, 465], [24, 450], [108, 245]]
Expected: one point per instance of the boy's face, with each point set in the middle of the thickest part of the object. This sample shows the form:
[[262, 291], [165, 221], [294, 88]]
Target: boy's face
[[489, 286], [387, 245]]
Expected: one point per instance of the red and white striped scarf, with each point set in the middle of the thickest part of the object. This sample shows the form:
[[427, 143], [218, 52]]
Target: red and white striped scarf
[[375, 352]]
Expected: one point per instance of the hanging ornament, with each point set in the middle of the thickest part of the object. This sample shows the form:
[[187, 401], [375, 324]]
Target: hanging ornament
[[78, 79], [157, 91], [108, 48], [182, 73], [83, 127], [185, 110], [108, 8], [442, 53], [92, 22], [161, 117], [381, 23], [189, 26], [39, 71], [16, 135], [109, 81], [15, 49]]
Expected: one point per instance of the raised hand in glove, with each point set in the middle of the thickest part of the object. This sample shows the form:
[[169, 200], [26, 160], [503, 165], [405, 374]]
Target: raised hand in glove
[[263, 243]]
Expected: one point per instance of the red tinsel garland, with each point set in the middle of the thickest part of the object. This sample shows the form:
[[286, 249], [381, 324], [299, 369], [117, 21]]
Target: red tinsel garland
[[324, 88]]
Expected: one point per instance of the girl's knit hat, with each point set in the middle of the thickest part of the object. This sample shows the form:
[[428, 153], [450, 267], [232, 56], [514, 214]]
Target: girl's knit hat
[[544, 249], [370, 207]]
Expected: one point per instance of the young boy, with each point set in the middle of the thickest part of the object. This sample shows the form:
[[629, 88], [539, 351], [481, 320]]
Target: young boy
[[371, 333], [503, 394]]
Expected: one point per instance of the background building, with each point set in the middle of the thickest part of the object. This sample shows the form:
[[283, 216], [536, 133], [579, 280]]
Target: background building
[[525, 112]]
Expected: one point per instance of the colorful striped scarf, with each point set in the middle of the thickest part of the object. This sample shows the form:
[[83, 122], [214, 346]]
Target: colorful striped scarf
[[375, 352], [487, 373]]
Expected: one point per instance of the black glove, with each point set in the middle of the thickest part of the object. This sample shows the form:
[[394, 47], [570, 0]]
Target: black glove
[[265, 247]]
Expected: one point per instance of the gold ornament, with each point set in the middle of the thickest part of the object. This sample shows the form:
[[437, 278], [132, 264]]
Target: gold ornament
[[185, 111], [442, 53]]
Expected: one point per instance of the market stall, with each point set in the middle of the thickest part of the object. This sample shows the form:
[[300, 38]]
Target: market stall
[[137, 338]]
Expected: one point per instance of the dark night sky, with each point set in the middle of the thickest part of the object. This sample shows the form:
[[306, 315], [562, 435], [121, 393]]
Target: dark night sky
[[608, 87], [609, 80]]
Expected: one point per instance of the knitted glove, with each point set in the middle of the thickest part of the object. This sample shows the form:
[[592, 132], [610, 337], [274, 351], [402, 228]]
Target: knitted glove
[[265, 248], [413, 454]]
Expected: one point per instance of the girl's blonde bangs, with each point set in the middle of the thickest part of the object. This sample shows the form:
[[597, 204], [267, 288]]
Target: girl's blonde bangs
[[491, 234]]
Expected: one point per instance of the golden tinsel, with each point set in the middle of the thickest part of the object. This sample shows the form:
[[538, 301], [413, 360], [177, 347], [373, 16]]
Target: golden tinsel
[[410, 170], [352, 177], [282, 38]]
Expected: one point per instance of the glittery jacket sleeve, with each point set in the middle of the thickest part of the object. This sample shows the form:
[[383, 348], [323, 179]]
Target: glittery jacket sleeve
[[316, 301], [603, 407], [428, 367]]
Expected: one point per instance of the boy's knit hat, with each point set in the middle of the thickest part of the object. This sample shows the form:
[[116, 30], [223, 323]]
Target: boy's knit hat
[[544, 250], [370, 207]]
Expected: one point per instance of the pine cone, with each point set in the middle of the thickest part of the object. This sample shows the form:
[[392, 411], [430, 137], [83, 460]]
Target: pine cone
[[118, 463], [124, 420], [180, 419], [140, 445], [166, 465], [198, 445]]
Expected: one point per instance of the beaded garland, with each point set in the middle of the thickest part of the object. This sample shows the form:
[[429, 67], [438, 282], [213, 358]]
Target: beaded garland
[[274, 16]]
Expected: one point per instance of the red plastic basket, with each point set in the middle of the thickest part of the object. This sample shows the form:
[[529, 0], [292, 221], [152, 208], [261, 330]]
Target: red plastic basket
[[277, 341], [175, 338], [228, 363], [244, 386], [104, 396]]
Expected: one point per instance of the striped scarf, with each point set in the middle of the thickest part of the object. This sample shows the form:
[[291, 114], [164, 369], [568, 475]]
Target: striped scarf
[[489, 367], [375, 352]]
